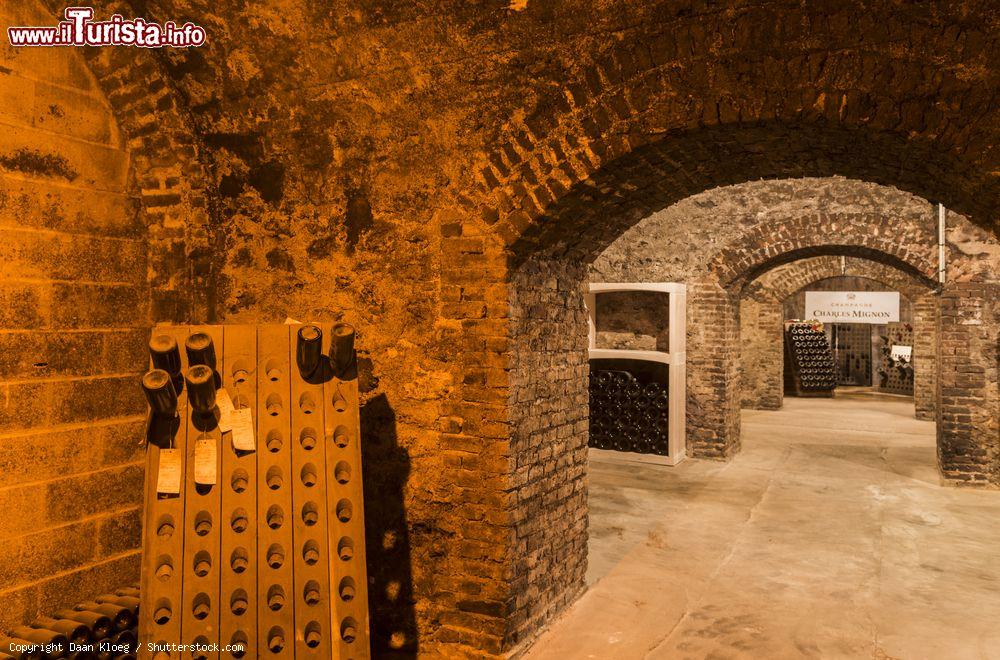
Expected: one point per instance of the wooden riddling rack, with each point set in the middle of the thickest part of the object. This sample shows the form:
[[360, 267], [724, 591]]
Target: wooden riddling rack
[[895, 376], [648, 423], [271, 556], [809, 367]]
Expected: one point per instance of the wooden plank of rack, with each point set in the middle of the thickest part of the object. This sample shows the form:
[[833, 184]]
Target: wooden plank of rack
[[200, 607], [238, 482], [163, 536], [345, 510], [677, 378], [310, 554], [632, 354], [275, 625]]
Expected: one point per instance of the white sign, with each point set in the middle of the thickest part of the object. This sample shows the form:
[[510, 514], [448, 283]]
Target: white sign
[[904, 353], [874, 307]]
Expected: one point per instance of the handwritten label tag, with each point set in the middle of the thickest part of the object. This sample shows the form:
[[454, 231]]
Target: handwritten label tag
[[206, 456], [242, 426], [226, 410], [168, 472]]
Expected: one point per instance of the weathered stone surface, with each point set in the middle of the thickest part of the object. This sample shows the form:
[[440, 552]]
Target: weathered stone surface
[[437, 173]]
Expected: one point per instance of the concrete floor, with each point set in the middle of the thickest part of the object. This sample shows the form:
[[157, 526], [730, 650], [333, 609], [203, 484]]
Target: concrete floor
[[828, 536]]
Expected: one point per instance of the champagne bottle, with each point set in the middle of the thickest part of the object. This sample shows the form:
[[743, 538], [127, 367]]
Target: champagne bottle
[[309, 349], [29, 650], [200, 381], [164, 354], [342, 348], [128, 591], [121, 617], [51, 643], [75, 631], [160, 393], [100, 624], [200, 350], [125, 601]]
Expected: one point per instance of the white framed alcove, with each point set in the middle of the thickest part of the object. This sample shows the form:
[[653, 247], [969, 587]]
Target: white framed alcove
[[675, 357]]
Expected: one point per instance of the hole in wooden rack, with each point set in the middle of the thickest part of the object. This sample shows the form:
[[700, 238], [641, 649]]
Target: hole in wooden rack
[[165, 527], [201, 606], [310, 593], [342, 472], [240, 520], [162, 612], [202, 563], [313, 636], [274, 477], [349, 629], [310, 553], [274, 441], [202, 523], [345, 510], [164, 568], [239, 560], [341, 436], [240, 480], [275, 597], [307, 403], [275, 517], [347, 589], [238, 644], [273, 405], [310, 514], [274, 370], [307, 438], [240, 372], [159, 655], [239, 602], [308, 475], [276, 639], [345, 548], [201, 651], [275, 556]]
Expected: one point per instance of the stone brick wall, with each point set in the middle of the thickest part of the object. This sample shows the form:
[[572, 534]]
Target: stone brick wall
[[637, 320], [969, 410], [762, 358], [74, 316], [549, 402], [361, 165]]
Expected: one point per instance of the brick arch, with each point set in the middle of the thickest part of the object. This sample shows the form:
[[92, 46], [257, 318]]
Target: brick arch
[[783, 281], [762, 315], [713, 99], [773, 242], [167, 168]]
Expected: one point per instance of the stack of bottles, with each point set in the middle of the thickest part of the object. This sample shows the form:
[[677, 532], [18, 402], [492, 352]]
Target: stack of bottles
[[103, 628], [626, 415], [812, 359]]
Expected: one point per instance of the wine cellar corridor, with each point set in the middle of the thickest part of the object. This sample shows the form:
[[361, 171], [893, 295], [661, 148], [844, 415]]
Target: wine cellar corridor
[[499, 329]]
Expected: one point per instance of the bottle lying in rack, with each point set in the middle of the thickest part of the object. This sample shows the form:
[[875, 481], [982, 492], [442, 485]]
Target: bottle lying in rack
[[626, 415]]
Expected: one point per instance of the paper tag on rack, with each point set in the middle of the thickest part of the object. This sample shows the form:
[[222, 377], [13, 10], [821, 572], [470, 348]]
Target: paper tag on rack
[[206, 455], [168, 472], [226, 410], [242, 426]]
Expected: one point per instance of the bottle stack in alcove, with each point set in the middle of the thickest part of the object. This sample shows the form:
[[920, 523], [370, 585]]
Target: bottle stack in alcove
[[627, 415], [103, 628], [809, 365]]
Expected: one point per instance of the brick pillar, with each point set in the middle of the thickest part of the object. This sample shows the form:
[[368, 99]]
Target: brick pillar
[[968, 397], [549, 408], [761, 358], [925, 323], [713, 413]]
